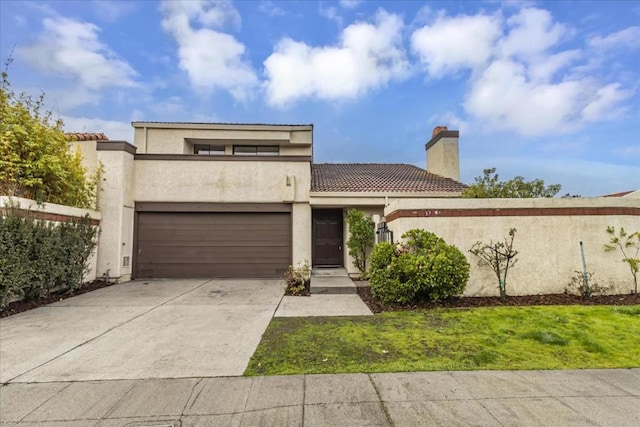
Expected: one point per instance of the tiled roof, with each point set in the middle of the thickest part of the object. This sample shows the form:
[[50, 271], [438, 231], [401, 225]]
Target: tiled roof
[[622, 194], [222, 123], [378, 177], [78, 136]]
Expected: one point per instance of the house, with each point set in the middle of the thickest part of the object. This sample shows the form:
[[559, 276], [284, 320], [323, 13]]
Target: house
[[243, 200]]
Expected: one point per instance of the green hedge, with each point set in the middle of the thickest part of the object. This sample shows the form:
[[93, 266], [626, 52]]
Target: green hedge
[[37, 256], [424, 267]]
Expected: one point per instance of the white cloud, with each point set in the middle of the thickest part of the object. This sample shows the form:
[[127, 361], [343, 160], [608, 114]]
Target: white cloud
[[445, 48], [368, 55], [627, 38], [331, 13], [114, 130], [503, 98], [350, 4], [212, 59], [111, 11], [605, 103], [269, 8], [531, 33], [72, 49], [521, 79]]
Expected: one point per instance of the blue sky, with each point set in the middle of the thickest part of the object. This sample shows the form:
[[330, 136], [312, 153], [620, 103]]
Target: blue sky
[[540, 89]]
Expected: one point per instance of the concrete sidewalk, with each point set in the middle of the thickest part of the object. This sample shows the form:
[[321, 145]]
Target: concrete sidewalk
[[333, 293], [491, 398]]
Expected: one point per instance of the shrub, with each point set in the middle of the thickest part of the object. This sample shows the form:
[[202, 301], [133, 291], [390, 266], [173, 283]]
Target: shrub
[[584, 286], [424, 267], [629, 246], [37, 257], [360, 239], [298, 279]]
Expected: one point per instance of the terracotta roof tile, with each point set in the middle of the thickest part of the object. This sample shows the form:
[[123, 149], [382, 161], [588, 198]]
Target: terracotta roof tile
[[378, 177], [621, 194], [80, 136]]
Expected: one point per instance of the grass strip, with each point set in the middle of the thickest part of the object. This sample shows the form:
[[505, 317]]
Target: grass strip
[[499, 338]]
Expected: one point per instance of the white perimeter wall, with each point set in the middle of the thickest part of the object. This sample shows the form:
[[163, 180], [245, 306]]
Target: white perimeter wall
[[548, 246]]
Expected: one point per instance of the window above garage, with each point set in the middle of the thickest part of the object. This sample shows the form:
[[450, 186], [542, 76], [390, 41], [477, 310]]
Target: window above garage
[[256, 150], [208, 149]]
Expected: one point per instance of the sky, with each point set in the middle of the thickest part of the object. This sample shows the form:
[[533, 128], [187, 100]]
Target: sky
[[539, 89]]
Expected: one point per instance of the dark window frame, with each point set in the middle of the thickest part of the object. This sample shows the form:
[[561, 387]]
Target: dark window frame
[[256, 150], [207, 149]]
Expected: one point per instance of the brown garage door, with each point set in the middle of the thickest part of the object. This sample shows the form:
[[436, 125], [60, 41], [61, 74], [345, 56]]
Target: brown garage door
[[213, 244]]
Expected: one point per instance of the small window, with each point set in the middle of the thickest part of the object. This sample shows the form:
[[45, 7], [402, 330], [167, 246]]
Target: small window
[[256, 150], [208, 149]]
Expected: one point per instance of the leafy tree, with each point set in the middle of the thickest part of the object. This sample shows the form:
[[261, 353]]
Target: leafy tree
[[489, 186], [361, 232], [35, 160], [626, 242]]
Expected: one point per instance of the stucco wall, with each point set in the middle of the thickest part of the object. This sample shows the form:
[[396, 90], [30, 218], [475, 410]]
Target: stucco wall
[[56, 213], [443, 158], [221, 181], [301, 221], [172, 140], [548, 245], [116, 203]]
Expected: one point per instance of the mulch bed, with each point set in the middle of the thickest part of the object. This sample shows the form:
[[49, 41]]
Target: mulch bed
[[463, 302], [20, 306]]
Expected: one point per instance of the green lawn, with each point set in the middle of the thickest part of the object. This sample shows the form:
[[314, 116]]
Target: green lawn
[[555, 337]]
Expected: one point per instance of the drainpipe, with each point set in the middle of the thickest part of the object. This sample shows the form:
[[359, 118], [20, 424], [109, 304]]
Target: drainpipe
[[145, 140]]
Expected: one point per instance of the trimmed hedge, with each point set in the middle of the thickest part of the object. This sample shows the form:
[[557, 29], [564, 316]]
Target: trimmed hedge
[[425, 267], [37, 257]]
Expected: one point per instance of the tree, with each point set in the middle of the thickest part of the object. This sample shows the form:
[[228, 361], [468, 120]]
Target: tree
[[360, 238], [499, 256], [489, 186], [35, 160], [626, 242]]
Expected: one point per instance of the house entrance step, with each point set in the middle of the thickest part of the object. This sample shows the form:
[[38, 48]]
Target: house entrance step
[[329, 272], [332, 285]]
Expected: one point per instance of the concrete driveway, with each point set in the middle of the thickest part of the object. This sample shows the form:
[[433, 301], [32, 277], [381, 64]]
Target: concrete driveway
[[141, 329]]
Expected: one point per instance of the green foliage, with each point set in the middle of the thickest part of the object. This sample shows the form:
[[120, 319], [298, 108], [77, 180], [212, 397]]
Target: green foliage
[[626, 243], [35, 160], [489, 186], [499, 256], [361, 232], [37, 257], [584, 286], [425, 267], [298, 279]]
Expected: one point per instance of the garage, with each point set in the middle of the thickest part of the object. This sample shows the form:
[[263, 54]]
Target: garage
[[175, 240]]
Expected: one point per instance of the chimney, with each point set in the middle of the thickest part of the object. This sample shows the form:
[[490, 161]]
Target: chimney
[[442, 153]]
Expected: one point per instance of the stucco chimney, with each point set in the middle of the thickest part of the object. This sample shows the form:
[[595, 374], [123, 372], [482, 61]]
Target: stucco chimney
[[442, 153]]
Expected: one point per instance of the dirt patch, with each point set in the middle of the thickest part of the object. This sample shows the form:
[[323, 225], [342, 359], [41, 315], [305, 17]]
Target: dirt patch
[[465, 302], [20, 306]]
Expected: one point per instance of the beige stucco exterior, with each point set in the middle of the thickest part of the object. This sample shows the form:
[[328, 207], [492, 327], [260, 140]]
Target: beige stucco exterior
[[222, 181], [548, 246], [178, 138], [116, 202], [443, 156]]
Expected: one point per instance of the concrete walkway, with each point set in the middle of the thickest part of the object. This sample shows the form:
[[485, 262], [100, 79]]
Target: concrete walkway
[[483, 398], [333, 293]]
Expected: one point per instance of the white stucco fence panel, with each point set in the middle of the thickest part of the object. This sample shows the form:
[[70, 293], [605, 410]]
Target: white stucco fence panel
[[548, 245]]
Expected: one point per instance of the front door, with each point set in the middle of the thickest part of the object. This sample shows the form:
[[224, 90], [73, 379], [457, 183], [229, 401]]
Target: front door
[[327, 238]]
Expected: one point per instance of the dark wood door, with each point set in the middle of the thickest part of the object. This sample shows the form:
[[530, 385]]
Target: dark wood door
[[213, 244], [327, 237]]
